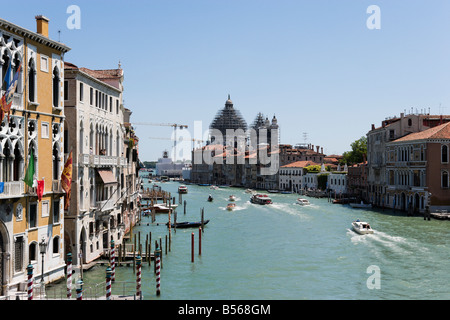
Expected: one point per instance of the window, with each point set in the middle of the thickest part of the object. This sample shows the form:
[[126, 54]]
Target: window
[[444, 154], [117, 106], [44, 130], [45, 209], [56, 211], [44, 63], [91, 96], [444, 179], [32, 252], [66, 90], [81, 92], [55, 245], [56, 88], [33, 215], [31, 81], [18, 254]]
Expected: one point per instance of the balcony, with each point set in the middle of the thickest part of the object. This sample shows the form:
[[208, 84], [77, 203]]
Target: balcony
[[13, 189], [56, 186], [106, 205], [101, 161]]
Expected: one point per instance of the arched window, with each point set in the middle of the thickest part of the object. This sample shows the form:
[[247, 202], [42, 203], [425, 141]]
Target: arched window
[[55, 244], [444, 179], [444, 153], [32, 251], [6, 60], [32, 81], [56, 87]]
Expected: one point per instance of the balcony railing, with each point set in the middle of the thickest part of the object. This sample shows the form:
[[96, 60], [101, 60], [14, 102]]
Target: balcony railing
[[13, 189], [101, 161], [106, 205]]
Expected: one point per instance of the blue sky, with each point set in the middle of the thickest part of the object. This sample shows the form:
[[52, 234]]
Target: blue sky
[[314, 64]]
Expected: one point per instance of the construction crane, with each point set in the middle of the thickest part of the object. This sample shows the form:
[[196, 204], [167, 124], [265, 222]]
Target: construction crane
[[174, 125]]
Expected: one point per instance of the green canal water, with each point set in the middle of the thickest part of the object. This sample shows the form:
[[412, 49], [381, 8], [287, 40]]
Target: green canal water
[[285, 251]]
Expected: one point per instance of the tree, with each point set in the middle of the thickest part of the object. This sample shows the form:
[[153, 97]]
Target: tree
[[358, 153]]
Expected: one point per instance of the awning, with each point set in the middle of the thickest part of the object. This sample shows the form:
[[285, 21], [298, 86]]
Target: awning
[[107, 176]]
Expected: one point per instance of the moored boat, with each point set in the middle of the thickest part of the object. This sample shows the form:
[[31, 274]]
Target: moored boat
[[188, 224], [361, 227], [259, 198], [360, 205]]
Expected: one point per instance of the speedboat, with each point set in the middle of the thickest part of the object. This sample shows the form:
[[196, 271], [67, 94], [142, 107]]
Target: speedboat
[[231, 206], [232, 198], [210, 198], [182, 189], [260, 199], [303, 202], [361, 227], [249, 191]]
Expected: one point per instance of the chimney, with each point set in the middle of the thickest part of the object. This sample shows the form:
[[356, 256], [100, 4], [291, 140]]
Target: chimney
[[42, 25], [321, 150], [373, 126], [317, 148]]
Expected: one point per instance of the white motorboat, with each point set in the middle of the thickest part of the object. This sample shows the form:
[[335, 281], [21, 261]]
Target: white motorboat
[[182, 189], [232, 198], [360, 205], [361, 227], [303, 202], [249, 191], [260, 199]]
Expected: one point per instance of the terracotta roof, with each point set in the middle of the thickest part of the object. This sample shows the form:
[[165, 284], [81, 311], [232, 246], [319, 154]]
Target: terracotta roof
[[109, 76], [439, 132], [300, 164]]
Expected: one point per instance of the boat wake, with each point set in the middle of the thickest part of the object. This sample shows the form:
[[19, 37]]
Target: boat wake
[[383, 243], [295, 210]]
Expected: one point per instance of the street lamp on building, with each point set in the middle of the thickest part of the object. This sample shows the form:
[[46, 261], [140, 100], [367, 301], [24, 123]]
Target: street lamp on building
[[42, 249]]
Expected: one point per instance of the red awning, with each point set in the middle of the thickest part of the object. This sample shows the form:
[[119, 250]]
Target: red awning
[[107, 176]]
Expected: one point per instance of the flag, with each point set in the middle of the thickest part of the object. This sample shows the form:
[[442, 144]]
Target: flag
[[40, 189], [30, 171], [66, 179], [7, 98]]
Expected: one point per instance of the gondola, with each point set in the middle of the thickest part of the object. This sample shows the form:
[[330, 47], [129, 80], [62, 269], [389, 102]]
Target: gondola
[[188, 224]]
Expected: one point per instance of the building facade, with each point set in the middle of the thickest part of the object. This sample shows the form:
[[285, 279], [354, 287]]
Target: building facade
[[418, 171], [33, 132], [94, 108]]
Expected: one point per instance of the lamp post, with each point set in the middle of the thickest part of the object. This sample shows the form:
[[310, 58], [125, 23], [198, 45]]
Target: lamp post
[[42, 249]]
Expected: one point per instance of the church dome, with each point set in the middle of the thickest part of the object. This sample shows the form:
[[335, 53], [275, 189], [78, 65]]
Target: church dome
[[228, 118]]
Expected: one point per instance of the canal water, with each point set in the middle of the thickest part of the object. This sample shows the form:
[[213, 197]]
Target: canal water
[[285, 251]]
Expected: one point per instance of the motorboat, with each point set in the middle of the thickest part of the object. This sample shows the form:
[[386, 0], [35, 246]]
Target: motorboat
[[210, 198], [303, 202], [361, 227], [360, 205], [214, 187], [259, 198], [231, 206], [232, 198], [182, 189], [249, 191]]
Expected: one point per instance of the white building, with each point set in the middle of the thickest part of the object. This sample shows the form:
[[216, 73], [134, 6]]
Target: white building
[[337, 182], [291, 177], [93, 106]]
